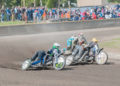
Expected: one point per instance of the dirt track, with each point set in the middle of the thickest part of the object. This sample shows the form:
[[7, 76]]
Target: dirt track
[[15, 49]]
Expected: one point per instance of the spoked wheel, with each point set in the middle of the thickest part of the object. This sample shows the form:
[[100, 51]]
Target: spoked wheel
[[101, 58], [60, 64], [26, 64], [69, 60]]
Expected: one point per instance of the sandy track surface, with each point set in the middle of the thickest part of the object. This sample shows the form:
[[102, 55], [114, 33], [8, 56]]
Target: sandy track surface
[[15, 49], [81, 75]]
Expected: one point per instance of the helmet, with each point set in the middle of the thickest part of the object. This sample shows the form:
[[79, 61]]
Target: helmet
[[56, 46], [80, 34], [75, 39], [94, 40], [81, 38]]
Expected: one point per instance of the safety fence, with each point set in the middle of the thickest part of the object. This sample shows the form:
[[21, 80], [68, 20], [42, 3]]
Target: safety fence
[[57, 26]]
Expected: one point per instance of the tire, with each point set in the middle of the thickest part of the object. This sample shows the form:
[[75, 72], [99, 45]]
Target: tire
[[60, 64], [101, 58], [69, 60], [26, 64]]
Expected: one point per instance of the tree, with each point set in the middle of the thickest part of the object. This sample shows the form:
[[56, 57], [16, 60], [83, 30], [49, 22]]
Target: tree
[[115, 1], [34, 3], [22, 2], [52, 3], [44, 2], [73, 1], [29, 3], [7, 3], [65, 2], [1, 3], [40, 2]]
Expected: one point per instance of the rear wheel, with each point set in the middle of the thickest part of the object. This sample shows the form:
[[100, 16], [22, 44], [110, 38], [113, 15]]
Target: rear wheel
[[60, 64], [101, 58], [26, 64]]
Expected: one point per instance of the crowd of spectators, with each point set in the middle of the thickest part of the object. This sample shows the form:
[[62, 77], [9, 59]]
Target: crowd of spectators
[[38, 14], [91, 13]]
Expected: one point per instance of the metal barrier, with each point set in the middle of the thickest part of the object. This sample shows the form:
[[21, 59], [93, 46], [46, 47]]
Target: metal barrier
[[57, 26]]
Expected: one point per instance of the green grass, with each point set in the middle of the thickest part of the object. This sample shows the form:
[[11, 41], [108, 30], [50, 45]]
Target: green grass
[[117, 39], [115, 43], [12, 23]]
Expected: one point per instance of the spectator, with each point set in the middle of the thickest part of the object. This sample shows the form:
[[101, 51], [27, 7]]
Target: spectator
[[2, 15], [94, 16], [13, 14], [8, 13], [15, 11], [75, 14], [23, 11]]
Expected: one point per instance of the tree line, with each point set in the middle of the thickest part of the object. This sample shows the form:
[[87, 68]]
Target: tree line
[[34, 3], [115, 1], [47, 3]]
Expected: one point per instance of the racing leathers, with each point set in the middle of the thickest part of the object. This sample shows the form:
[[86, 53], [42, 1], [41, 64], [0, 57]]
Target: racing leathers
[[54, 53], [82, 39], [79, 48], [38, 55], [93, 47], [41, 55], [78, 52]]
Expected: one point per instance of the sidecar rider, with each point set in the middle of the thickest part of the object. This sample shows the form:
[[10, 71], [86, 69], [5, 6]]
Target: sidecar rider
[[71, 43], [94, 45], [54, 52], [82, 38], [78, 51], [79, 48], [93, 42], [40, 55], [90, 46]]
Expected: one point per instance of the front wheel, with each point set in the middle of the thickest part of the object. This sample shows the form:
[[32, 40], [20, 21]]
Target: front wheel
[[60, 64], [101, 58]]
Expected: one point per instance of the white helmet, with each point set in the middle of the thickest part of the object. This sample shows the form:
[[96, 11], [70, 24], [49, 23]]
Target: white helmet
[[56, 45]]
